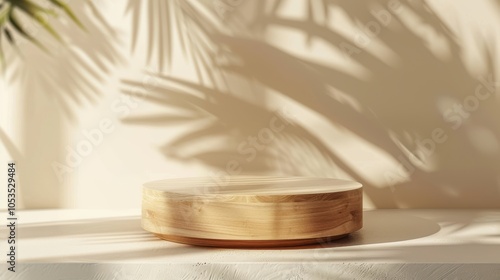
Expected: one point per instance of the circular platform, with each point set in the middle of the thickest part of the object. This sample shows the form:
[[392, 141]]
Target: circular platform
[[251, 211]]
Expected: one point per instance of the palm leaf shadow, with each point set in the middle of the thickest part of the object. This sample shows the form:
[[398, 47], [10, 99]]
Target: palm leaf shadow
[[178, 26], [53, 86], [424, 80], [85, 62], [237, 119], [418, 81], [300, 134], [232, 126]]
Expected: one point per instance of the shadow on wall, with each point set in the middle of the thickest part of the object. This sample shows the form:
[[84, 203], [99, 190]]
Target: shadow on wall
[[52, 85], [426, 111], [174, 27]]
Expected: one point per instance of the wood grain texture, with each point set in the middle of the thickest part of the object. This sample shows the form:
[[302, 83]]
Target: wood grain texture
[[251, 211]]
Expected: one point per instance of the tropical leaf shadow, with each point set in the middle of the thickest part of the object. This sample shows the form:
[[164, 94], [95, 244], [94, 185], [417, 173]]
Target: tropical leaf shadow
[[399, 105], [54, 85], [177, 29]]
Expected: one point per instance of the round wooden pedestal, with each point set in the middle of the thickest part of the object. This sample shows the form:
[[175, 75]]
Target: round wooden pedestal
[[251, 211]]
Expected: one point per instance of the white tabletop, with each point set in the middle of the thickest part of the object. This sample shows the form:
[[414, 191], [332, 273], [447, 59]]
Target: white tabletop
[[388, 236]]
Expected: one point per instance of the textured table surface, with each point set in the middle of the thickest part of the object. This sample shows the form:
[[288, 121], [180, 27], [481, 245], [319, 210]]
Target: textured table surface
[[388, 236]]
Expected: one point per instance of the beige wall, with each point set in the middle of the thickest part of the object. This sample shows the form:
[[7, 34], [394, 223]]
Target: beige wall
[[384, 107]]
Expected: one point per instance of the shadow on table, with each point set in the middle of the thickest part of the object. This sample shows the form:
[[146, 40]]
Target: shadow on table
[[102, 227], [107, 231], [386, 226], [380, 227]]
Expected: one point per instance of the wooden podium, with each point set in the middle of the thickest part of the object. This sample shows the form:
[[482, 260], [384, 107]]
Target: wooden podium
[[252, 211]]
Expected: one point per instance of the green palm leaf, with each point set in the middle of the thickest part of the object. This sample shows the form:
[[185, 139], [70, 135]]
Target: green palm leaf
[[68, 12], [36, 13]]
